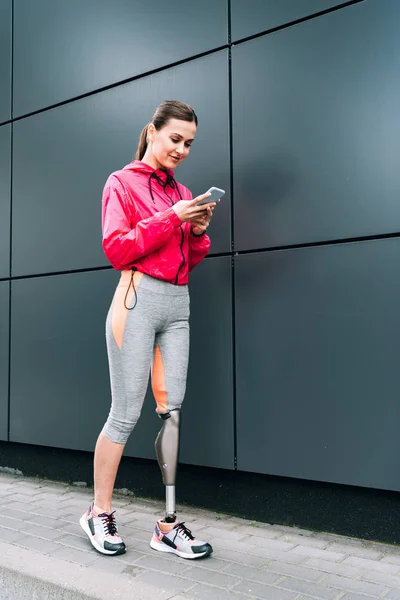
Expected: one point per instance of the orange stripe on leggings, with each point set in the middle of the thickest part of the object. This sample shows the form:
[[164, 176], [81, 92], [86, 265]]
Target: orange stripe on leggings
[[158, 382], [119, 312]]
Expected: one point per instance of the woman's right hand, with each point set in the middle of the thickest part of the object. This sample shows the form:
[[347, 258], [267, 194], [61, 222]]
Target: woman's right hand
[[188, 209]]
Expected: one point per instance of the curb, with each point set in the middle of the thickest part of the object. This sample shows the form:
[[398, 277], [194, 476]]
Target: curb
[[28, 575]]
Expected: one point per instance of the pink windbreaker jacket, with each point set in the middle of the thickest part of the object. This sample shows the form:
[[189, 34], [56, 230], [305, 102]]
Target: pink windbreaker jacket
[[140, 228]]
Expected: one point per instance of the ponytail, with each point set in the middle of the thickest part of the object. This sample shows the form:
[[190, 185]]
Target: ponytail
[[142, 146]]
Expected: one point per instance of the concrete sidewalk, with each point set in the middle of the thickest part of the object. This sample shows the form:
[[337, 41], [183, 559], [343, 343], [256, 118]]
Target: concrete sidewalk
[[45, 555]]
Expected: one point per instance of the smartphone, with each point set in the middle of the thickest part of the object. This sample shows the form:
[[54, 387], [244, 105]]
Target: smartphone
[[216, 194]]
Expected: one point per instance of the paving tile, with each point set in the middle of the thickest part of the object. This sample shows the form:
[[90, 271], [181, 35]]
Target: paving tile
[[292, 530], [352, 596], [138, 535], [35, 543], [73, 528], [217, 578], [384, 578], [42, 521], [309, 588], [166, 585], [258, 590], [70, 517], [75, 541], [391, 558], [223, 534], [304, 540], [318, 553], [108, 565], [10, 536], [302, 572], [259, 531], [210, 562], [373, 565], [266, 553], [14, 524], [16, 496], [219, 542], [393, 595], [268, 543], [23, 506], [130, 557], [227, 525], [14, 514], [203, 592], [360, 551], [325, 566], [259, 575], [355, 585], [44, 533], [240, 558], [75, 556], [290, 556], [158, 563]]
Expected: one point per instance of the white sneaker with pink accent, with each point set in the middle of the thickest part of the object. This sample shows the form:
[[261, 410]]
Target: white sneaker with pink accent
[[102, 532], [178, 539]]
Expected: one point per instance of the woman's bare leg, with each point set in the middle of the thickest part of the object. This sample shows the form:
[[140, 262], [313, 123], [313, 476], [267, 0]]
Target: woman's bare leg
[[107, 457]]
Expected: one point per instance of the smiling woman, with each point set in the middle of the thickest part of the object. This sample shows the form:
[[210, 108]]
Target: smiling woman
[[171, 133], [155, 234]]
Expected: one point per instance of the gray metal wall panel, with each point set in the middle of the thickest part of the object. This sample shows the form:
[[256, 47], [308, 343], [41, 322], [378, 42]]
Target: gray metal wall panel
[[254, 16], [63, 157], [4, 338], [63, 398], [207, 412], [317, 363], [67, 48], [5, 167], [60, 390], [5, 60], [317, 140]]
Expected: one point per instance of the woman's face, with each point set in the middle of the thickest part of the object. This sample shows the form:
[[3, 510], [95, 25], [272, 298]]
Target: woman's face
[[170, 145]]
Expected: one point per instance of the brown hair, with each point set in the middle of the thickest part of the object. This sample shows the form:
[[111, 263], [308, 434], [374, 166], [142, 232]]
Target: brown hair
[[170, 109]]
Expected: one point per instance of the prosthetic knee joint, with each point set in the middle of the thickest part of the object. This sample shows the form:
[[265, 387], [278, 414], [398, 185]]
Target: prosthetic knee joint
[[167, 450]]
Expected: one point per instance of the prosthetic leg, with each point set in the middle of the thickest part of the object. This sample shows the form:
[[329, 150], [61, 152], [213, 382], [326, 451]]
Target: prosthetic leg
[[167, 450], [171, 536]]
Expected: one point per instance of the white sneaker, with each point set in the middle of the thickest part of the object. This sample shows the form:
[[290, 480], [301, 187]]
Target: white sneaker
[[102, 532], [177, 538]]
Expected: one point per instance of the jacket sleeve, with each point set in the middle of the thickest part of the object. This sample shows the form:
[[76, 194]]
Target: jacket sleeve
[[199, 247], [125, 242]]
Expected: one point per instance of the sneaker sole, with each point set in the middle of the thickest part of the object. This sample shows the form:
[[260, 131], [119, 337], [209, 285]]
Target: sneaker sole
[[164, 548], [83, 523]]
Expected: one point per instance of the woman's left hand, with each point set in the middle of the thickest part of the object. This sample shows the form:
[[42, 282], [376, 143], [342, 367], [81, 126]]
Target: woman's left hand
[[200, 224]]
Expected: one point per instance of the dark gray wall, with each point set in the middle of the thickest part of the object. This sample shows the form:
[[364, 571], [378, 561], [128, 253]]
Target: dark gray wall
[[294, 349], [5, 182], [63, 49], [5, 60], [324, 152], [255, 16], [325, 321], [4, 346]]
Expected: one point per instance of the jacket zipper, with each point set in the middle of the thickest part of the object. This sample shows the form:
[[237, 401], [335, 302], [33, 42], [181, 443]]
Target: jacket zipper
[[182, 240], [183, 256]]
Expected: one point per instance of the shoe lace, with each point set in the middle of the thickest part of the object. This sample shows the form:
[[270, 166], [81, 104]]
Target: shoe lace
[[109, 523], [184, 531]]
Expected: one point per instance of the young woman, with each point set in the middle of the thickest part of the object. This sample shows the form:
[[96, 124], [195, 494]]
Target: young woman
[[154, 233]]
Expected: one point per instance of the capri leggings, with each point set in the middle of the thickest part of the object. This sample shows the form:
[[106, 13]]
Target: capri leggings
[[153, 338]]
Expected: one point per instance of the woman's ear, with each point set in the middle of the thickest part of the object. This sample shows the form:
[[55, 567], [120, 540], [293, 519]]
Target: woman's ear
[[150, 132]]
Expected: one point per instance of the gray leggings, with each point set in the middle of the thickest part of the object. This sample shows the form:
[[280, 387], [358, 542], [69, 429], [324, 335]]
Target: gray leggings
[[153, 336]]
